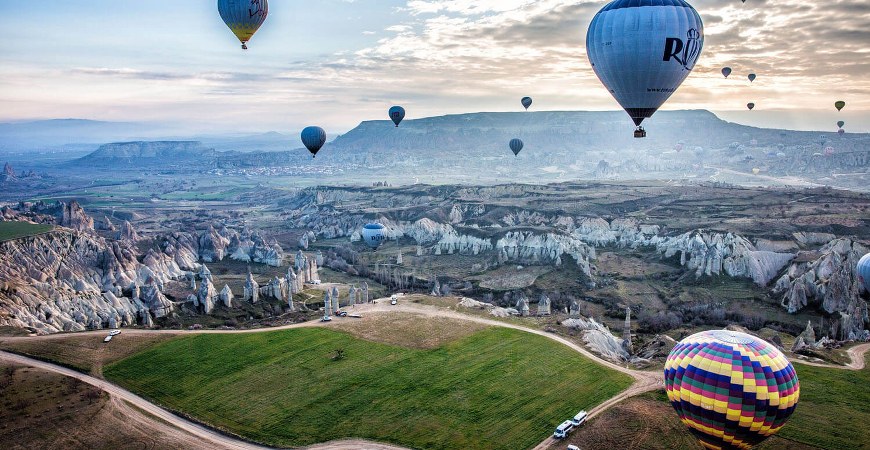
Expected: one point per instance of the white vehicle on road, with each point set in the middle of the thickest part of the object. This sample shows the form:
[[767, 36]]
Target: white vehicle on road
[[573, 447], [579, 418], [563, 429], [107, 339], [393, 300], [114, 332]]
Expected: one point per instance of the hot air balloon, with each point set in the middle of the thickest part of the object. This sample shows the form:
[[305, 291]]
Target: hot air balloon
[[526, 101], [243, 17], [756, 171], [753, 142], [397, 114], [313, 138], [732, 390], [864, 271], [839, 105], [373, 235], [726, 71], [516, 145], [751, 77], [841, 131], [642, 50], [678, 147], [751, 106], [840, 124], [822, 139], [829, 151]]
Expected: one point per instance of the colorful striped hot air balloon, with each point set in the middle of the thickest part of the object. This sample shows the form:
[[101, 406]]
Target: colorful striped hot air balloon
[[243, 17], [731, 389]]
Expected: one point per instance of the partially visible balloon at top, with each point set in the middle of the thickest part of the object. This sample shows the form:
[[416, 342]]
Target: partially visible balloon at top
[[526, 101], [840, 105], [397, 114], [726, 71], [243, 17]]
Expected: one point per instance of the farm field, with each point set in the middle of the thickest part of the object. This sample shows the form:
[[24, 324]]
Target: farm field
[[15, 230], [496, 389]]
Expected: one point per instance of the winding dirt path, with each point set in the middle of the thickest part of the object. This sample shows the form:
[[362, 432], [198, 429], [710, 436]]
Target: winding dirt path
[[856, 356]]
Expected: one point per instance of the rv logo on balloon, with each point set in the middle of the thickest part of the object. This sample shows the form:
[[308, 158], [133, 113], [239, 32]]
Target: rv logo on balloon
[[684, 53]]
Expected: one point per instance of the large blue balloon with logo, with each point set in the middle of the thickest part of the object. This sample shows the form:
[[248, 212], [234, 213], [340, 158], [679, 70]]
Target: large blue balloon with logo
[[397, 114], [643, 50]]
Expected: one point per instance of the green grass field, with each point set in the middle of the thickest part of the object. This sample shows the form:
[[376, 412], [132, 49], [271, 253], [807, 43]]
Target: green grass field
[[15, 230], [834, 408], [495, 389]]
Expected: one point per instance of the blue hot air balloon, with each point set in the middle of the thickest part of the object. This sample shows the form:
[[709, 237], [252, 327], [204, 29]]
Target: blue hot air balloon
[[864, 271], [397, 114], [313, 138], [516, 146], [243, 17], [726, 71], [373, 235], [526, 101], [642, 50]]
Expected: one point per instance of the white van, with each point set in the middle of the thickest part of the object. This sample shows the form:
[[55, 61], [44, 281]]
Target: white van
[[573, 447], [563, 429], [579, 418]]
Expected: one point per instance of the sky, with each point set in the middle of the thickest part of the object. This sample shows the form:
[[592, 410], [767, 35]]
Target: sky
[[336, 63]]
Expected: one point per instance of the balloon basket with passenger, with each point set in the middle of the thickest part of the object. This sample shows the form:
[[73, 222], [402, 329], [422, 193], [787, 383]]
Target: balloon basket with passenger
[[639, 132]]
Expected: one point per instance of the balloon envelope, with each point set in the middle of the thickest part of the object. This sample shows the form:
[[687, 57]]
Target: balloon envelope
[[751, 106], [829, 151], [841, 131], [243, 17], [526, 101], [726, 71], [642, 50], [397, 114], [840, 124], [751, 77], [864, 271], [516, 145], [840, 105], [313, 138], [756, 171], [373, 235], [731, 389]]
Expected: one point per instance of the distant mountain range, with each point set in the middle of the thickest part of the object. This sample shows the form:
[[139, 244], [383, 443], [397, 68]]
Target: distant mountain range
[[573, 144]]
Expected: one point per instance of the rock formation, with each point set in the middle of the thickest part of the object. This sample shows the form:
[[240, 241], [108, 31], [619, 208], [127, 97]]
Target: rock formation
[[205, 273], [544, 305], [827, 280], [252, 289], [365, 292], [8, 173], [351, 296], [128, 233], [205, 297], [212, 246], [626, 333], [523, 305], [599, 338], [74, 217], [226, 296]]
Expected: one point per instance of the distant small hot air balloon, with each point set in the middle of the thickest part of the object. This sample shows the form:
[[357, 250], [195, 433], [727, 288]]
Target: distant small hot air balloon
[[731, 389], [726, 71], [864, 271], [756, 171], [839, 105], [243, 17], [313, 138], [526, 101], [829, 151], [751, 77], [678, 147], [751, 106], [516, 146], [841, 131], [397, 114], [840, 124], [822, 139], [753, 142], [625, 43], [374, 235]]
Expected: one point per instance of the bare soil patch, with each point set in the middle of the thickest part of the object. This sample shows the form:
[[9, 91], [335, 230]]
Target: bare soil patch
[[409, 330]]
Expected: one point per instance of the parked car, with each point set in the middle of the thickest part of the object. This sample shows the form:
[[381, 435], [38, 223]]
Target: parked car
[[563, 429], [114, 332], [341, 313], [579, 418], [393, 300], [573, 447], [326, 319], [107, 339]]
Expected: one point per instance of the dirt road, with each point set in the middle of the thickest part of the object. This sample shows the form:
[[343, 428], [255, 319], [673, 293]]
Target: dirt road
[[856, 356]]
